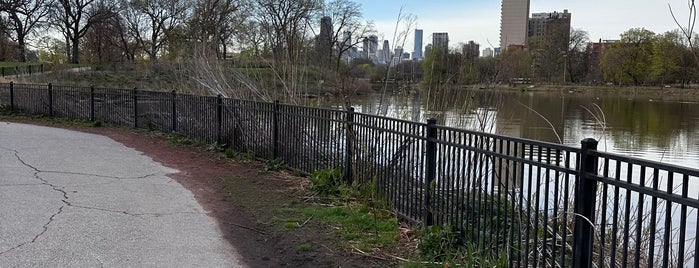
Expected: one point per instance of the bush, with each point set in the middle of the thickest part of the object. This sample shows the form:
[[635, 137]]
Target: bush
[[329, 182]]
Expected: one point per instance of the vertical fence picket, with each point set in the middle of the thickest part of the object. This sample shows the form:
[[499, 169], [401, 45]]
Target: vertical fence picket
[[219, 117], [585, 193], [173, 117], [431, 169], [275, 130], [12, 94], [50, 92], [349, 143], [92, 104], [135, 107]]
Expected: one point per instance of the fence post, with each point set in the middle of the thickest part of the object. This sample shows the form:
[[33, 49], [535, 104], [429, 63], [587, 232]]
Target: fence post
[[92, 103], [12, 95], [50, 90], [584, 207], [219, 117], [349, 144], [3, 71], [430, 168], [275, 131], [174, 111], [29, 67], [135, 107]]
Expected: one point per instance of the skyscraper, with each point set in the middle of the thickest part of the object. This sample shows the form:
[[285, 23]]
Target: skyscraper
[[386, 55], [440, 41], [487, 52], [471, 50], [324, 39], [513, 23], [417, 50], [554, 27]]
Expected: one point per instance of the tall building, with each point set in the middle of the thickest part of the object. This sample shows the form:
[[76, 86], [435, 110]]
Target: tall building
[[428, 49], [487, 52], [471, 50], [324, 39], [441, 41], [552, 25], [385, 56], [365, 48], [513, 23], [346, 45], [326, 28], [417, 50]]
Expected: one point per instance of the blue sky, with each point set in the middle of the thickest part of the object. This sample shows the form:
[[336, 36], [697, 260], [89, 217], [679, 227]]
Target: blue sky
[[479, 20]]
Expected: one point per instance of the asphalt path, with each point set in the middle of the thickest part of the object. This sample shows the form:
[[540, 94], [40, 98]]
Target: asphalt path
[[71, 199]]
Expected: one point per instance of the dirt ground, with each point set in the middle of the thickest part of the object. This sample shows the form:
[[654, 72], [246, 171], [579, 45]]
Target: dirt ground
[[250, 204]]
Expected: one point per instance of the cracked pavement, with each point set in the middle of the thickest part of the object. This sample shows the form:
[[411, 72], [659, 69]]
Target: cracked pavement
[[71, 199]]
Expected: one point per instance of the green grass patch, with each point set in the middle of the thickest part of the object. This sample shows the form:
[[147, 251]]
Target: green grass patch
[[361, 226], [303, 247]]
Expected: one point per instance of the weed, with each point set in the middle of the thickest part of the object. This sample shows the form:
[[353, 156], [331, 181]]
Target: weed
[[215, 147], [229, 153], [150, 126], [248, 156], [179, 139], [303, 247], [275, 165], [97, 123], [329, 182], [439, 243]]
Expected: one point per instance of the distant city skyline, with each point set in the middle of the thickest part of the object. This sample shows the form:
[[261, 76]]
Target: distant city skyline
[[479, 20]]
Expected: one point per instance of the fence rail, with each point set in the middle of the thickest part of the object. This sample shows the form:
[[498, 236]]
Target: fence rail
[[540, 204]]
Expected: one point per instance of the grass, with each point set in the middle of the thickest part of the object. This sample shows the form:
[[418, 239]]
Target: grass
[[358, 225]]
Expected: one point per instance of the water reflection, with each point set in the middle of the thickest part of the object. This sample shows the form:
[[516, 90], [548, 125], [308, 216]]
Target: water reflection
[[662, 130]]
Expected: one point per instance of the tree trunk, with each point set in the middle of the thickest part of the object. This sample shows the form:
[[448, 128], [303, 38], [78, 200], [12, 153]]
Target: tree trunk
[[22, 48], [76, 51]]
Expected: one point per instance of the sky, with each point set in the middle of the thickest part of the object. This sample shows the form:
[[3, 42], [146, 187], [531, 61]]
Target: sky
[[479, 20]]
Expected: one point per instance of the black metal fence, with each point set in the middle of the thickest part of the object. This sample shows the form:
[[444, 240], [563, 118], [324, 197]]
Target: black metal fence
[[539, 204]]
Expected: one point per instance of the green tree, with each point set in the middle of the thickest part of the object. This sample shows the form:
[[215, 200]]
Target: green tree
[[672, 59], [629, 61], [514, 63], [441, 67]]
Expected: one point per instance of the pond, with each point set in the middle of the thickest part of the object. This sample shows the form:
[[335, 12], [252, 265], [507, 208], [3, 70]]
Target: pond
[[662, 129]]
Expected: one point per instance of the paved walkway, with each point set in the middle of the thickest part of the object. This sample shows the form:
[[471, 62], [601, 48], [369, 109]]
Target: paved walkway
[[70, 199]]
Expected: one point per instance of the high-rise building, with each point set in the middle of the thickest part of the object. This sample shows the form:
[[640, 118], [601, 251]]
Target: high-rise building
[[428, 49], [441, 41], [555, 27], [365, 48], [386, 55], [346, 46], [513, 23], [487, 52], [324, 39], [471, 50], [417, 50], [346, 39]]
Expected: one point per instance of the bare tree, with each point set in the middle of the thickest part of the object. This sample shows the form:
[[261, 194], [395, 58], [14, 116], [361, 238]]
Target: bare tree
[[103, 41], [575, 62], [214, 22], [348, 27], [688, 29], [23, 18], [73, 18], [285, 24], [151, 21]]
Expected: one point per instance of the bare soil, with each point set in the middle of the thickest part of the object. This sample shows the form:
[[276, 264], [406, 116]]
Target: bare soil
[[250, 204]]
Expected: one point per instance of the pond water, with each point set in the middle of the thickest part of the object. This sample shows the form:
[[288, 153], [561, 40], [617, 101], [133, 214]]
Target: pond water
[[662, 129]]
